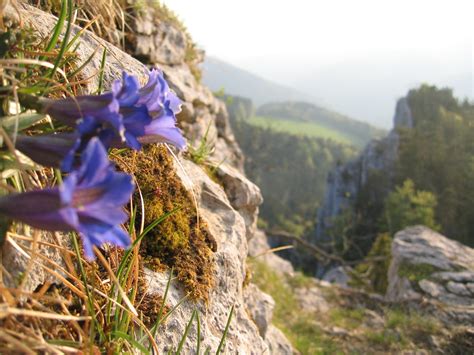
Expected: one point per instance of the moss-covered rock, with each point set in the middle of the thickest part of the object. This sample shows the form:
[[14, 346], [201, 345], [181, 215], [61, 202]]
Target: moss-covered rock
[[180, 241]]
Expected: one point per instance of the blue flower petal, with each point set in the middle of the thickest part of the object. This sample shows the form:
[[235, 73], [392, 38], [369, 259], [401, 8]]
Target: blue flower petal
[[95, 163], [39, 208], [164, 135], [126, 90]]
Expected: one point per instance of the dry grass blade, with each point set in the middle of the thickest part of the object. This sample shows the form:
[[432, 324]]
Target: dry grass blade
[[35, 295], [6, 311], [37, 342], [29, 239], [33, 62], [117, 283], [18, 345], [274, 250], [68, 284]]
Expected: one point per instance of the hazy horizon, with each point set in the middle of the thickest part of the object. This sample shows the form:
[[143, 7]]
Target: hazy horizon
[[356, 58]]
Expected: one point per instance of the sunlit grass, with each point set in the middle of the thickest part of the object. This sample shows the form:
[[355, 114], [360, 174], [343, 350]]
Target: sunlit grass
[[297, 324], [309, 129]]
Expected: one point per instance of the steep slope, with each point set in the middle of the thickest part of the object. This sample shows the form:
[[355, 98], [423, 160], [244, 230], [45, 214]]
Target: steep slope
[[346, 182]]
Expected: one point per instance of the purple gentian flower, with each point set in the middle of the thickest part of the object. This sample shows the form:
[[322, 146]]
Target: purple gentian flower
[[104, 108], [89, 201], [57, 150], [135, 116], [126, 116], [163, 106]]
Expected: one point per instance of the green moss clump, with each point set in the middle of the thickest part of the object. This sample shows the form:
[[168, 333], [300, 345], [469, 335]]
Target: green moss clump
[[180, 241], [416, 272]]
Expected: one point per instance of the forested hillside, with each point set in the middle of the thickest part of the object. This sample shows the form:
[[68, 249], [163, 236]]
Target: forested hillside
[[290, 169], [358, 133], [438, 155], [431, 182]]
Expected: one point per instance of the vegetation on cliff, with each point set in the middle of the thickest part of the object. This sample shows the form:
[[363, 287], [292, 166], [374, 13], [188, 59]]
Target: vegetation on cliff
[[432, 182]]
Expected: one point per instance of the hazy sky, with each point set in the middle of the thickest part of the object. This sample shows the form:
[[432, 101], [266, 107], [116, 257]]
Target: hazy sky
[[383, 47]]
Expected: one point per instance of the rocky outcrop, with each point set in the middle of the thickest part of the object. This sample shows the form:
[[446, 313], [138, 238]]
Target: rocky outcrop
[[427, 265], [157, 40], [260, 307], [202, 112], [244, 195], [346, 181], [228, 210], [228, 228]]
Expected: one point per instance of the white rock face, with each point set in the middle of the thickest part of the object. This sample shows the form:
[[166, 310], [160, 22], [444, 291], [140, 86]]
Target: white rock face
[[311, 299], [243, 195], [403, 116], [338, 276], [277, 342], [19, 267], [260, 307], [427, 265]]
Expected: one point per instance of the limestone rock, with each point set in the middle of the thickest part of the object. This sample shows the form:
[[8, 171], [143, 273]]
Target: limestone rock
[[228, 228], [259, 247], [431, 288], [458, 289], [244, 195], [158, 41], [312, 299], [403, 116], [337, 275], [17, 261], [260, 306], [346, 181], [277, 342], [429, 265], [200, 108]]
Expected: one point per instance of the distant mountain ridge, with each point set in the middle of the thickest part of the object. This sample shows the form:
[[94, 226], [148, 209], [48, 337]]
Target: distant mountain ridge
[[218, 74], [279, 101]]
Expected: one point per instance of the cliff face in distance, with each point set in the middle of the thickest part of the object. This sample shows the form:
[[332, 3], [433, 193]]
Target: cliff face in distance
[[429, 147], [346, 182]]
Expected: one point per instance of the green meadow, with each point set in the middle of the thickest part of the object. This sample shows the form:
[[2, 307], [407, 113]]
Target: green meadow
[[310, 129]]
